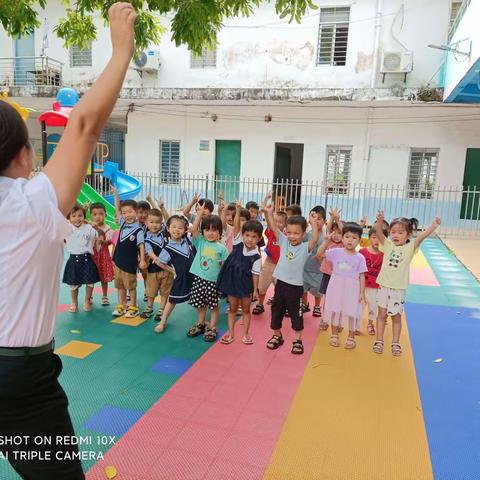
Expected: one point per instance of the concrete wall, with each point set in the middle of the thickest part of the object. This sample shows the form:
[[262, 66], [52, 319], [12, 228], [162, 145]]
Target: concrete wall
[[264, 51], [380, 152], [466, 35]]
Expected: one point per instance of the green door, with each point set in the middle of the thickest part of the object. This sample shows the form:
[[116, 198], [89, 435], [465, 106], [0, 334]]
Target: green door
[[227, 168], [471, 186]]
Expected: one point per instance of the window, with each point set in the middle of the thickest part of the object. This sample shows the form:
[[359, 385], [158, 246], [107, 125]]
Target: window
[[169, 163], [422, 172], [208, 58], [81, 58], [333, 36], [337, 169], [454, 9]]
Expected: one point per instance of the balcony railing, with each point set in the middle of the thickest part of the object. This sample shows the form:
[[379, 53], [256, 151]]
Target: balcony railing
[[30, 71]]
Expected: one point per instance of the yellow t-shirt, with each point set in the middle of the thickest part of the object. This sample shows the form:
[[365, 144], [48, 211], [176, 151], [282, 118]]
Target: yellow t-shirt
[[396, 265]]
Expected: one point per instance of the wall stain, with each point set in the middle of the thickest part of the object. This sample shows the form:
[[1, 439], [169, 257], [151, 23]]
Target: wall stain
[[364, 62]]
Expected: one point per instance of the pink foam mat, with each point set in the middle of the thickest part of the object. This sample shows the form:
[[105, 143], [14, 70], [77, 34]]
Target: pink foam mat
[[423, 276], [222, 418]]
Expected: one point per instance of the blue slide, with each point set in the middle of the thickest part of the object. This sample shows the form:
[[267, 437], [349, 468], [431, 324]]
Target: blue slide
[[127, 186]]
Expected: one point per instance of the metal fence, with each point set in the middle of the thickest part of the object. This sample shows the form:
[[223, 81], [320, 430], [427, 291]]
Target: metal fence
[[30, 71], [458, 207]]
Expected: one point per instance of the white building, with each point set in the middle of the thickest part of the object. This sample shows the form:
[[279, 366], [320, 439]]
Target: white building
[[335, 99]]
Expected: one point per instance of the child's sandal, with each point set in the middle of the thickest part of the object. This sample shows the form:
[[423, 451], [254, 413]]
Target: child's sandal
[[147, 313], [105, 301], [210, 334], [275, 342], [370, 329], [196, 330], [317, 311], [158, 316], [350, 344], [247, 340], [305, 307], [323, 326], [334, 341], [132, 312], [258, 310], [378, 347], [297, 348], [396, 350], [226, 339], [73, 308]]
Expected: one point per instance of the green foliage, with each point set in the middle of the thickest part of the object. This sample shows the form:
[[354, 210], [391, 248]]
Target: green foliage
[[194, 23]]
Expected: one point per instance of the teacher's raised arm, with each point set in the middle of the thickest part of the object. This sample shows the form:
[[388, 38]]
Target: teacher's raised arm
[[68, 165]]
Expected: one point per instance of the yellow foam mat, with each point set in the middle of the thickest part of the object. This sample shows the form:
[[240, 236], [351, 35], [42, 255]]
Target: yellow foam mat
[[419, 261], [132, 322], [356, 416], [78, 349]]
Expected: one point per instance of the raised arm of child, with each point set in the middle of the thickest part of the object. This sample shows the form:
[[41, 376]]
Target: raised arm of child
[[379, 226], [427, 232], [116, 200], [221, 204], [312, 219], [268, 209], [323, 247], [66, 169], [196, 222], [161, 207], [334, 218], [188, 208], [236, 219], [223, 216]]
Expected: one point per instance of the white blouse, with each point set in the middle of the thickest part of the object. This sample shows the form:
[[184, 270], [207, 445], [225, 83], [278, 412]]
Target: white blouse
[[32, 230]]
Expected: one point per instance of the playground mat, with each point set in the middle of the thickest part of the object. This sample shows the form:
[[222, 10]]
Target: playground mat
[[181, 408]]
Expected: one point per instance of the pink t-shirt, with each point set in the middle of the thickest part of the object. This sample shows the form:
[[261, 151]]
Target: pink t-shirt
[[326, 266], [346, 264]]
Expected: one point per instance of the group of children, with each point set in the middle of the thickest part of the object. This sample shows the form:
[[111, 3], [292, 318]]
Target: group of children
[[203, 257]]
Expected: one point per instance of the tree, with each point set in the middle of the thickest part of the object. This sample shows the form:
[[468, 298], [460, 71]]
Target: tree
[[194, 23]]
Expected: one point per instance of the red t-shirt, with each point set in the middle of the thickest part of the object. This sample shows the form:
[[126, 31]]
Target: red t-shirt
[[374, 264], [273, 249]]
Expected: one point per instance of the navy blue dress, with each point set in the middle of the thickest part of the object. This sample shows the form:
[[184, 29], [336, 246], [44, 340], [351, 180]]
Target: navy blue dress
[[235, 277], [182, 285]]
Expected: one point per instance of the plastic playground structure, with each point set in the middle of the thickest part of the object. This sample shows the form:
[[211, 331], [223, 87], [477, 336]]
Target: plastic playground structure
[[101, 170]]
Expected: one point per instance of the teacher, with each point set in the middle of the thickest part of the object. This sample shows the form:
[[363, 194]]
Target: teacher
[[33, 405]]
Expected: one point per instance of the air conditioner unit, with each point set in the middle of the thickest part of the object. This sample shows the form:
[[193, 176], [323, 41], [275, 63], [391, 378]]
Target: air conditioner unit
[[147, 61], [397, 62]]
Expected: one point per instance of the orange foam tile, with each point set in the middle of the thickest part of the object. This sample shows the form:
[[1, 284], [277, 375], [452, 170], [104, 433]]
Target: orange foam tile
[[78, 349], [131, 322]]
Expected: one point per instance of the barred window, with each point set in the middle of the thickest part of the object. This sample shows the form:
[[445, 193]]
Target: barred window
[[422, 172], [207, 59], [169, 162], [81, 57], [333, 36], [337, 169]]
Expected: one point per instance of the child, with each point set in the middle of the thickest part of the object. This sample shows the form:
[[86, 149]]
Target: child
[[227, 213], [158, 278], [80, 268], [394, 274], [101, 254], [312, 276], [289, 275], [206, 203], [177, 255], [346, 289], [272, 255], [334, 229], [129, 249], [143, 208], [253, 209], [206, 266], [293, 210], [238, 278], [374, 259]]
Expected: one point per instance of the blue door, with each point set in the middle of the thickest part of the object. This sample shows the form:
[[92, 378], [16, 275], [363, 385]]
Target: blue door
[[25, 60]]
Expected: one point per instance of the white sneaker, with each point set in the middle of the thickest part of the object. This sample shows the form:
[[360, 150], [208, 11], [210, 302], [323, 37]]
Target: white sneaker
[[132, 312], [119, 311]]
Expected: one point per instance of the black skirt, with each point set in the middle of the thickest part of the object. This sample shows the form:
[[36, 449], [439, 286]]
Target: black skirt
[[80, 270]]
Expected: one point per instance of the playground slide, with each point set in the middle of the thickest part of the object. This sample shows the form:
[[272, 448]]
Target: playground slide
[[128, 187], [90, 195]]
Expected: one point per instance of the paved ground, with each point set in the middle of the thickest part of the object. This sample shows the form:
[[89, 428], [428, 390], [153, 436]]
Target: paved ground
[[183, 409]]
